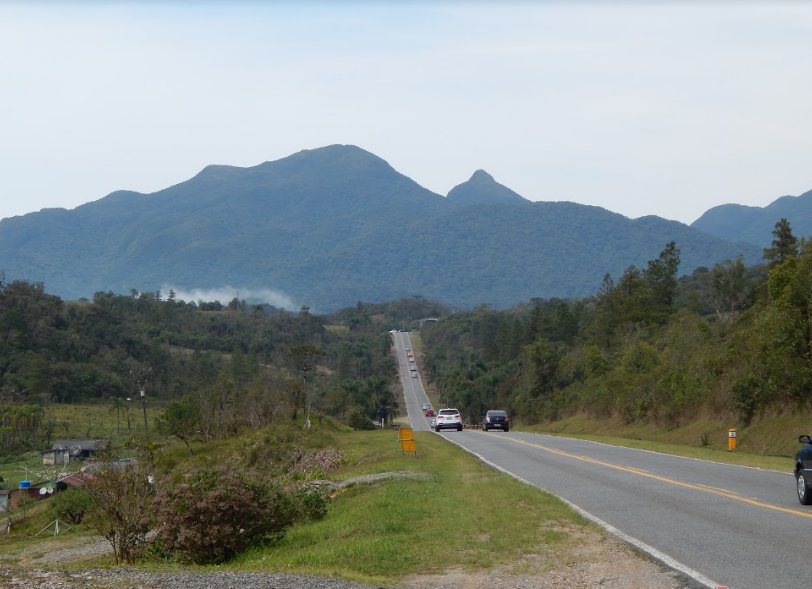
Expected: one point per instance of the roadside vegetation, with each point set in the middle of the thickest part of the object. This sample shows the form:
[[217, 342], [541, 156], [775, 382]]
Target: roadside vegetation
[[437, 508], [649, 356]]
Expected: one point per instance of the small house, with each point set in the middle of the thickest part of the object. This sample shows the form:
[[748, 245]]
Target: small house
[[66, 451]]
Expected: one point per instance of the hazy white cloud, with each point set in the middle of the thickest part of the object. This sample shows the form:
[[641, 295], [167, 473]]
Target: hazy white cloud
[[226, 294], [665, 108]]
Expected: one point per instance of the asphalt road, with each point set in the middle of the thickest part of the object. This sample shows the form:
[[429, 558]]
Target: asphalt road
[[725, 525], [413, 391]]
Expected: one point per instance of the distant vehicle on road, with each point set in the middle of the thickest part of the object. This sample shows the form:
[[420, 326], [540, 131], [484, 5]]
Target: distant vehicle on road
[[414, 375], [448, 419], [495, 419], [429, 412], [413, 368]]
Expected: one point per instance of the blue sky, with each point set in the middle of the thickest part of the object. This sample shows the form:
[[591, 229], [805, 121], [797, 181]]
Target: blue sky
[[642, 108]]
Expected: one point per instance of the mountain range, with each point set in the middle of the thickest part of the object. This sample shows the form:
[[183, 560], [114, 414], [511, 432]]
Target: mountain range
[[755, 224], [332, 226]]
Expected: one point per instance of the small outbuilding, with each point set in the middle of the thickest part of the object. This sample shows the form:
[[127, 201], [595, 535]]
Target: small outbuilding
[[67, 451]]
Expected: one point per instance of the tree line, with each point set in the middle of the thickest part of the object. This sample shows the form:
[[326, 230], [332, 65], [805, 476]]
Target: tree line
[[218, 367], [647, 347]]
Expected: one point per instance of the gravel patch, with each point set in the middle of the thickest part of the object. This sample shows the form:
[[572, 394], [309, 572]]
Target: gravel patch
[[129, 578]]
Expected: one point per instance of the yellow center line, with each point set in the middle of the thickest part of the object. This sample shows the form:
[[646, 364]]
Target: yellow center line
[[707, 489]]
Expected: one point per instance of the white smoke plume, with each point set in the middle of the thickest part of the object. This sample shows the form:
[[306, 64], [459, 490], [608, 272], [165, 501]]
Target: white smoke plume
[[225, 294]]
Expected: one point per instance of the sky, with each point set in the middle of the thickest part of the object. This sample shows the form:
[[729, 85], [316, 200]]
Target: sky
[[642, 108]]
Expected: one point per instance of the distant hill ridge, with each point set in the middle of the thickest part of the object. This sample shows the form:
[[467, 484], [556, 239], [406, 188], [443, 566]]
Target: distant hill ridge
[[331, 226], [755, 224]]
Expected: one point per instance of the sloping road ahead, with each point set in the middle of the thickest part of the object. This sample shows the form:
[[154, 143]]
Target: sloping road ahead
[[730, 525]]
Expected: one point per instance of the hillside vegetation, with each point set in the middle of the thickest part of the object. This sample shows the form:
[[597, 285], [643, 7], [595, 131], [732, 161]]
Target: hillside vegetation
[[217, 368], [647, 354]]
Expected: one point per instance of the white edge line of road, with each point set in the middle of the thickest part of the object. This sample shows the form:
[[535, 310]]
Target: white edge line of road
[[639, 545]]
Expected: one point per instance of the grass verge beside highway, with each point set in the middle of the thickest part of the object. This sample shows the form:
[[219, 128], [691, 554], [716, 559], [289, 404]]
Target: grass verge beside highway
[[768, 443], [451, 513]]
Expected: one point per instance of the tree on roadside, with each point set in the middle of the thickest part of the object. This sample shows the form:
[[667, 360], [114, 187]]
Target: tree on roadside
[[728, 288], [661, 276], [123, 496]]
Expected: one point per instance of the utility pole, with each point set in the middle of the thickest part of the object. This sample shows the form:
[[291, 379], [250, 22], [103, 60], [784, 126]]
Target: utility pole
[[141, 378]]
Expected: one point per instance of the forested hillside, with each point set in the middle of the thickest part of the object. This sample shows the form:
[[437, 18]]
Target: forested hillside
[[226, 366], [647, 347], [735, 222], [328, 227]]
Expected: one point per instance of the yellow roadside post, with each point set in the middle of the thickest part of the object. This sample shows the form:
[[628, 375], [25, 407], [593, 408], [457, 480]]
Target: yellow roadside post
[[406, 440], [731, 439]]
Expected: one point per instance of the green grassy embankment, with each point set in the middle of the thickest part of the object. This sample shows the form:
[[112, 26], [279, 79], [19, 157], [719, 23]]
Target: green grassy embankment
[[452, 512], [767, 443]]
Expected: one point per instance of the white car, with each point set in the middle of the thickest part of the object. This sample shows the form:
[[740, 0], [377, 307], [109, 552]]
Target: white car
[[448, 419], [414, 375]]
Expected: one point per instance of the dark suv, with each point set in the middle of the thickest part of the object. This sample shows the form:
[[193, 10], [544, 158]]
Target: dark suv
[[803, 471], [496, 420]]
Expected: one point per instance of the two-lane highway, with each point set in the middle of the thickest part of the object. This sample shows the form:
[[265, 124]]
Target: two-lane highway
[[735, 526], [413, 392], [727, 525]]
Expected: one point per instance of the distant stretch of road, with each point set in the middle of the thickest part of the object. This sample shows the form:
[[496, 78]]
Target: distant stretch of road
[[726, 525], [413, 391]]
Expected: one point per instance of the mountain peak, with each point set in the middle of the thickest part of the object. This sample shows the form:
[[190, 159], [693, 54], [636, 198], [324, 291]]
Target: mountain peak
[[483, 189], [481, 176]]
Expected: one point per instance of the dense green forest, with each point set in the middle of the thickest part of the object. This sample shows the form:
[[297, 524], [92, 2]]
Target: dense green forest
[[216, 368], [647, 347]]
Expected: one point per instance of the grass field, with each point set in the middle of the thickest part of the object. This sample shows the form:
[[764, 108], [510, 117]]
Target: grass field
[[85, 421]]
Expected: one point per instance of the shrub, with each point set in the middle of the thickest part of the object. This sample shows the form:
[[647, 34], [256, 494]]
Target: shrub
[[220, 512], [71, 505], [310, 504], [25, 504], [357, 419], [123, 497], [746, 396]]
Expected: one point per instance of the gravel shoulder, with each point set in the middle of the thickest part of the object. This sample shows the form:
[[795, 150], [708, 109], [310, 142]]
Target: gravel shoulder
[[598, 562]]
